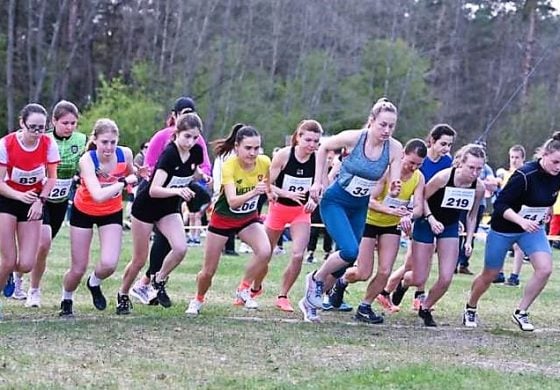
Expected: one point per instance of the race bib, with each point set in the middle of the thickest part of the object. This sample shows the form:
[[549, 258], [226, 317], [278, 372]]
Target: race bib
[[395, 203], [61, 189], [28, 178], [179, 182], [537, 214], [247, 207], [458, 198], [359, 187], [296, 184]]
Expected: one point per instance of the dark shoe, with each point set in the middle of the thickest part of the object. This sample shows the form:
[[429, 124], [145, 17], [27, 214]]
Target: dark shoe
[[162, 296], [10, 286], [500, 278], [465, 271], [97, 296], [66, 309], [512, 281], [123, 304], [365, 314], [398, 294], [426, 315], [336, 296]]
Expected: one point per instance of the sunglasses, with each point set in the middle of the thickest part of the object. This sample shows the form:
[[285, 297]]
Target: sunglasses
[[35, 128]]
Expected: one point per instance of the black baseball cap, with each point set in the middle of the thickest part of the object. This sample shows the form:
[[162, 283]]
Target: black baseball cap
[[183, 105]]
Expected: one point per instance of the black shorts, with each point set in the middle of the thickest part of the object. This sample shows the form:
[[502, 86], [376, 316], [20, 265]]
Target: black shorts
[[53, 215], [86, 221], [14, 207], [227, 232], [372, 231], [143, 212]]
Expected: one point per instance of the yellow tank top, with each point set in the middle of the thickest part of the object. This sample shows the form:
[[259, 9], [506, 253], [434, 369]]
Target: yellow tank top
[[407, 190]]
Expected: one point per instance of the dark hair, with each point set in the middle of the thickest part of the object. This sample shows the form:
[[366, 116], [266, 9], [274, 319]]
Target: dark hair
[[552, 144], [382, 105], [32, 108], [187, 122], [518, 148], [101, 126], [306, 125], [416, 146], [439, 131], [64, 107], [238, 132]]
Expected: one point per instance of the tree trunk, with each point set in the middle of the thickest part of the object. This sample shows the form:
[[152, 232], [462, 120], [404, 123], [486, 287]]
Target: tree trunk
[[529, 14], [10, 65]]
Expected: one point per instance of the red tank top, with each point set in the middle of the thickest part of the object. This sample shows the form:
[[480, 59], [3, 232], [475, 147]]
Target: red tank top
[[83, 199]]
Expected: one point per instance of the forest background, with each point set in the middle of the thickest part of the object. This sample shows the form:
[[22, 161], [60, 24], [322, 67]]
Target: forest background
[[491, 69]]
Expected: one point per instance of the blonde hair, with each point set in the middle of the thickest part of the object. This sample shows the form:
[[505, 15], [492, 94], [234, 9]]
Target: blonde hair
[[101, 126]]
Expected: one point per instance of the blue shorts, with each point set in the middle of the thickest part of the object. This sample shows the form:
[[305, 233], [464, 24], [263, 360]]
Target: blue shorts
[[422, 232], [497, 245]]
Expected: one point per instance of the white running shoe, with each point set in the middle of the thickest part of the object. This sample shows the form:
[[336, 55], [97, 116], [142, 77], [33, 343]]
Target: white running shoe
[[143, 292], [33, 298], [309, 312], [19, 293], [194, 307], [313, 291], [245, 296], [522, 320], [470, 318]]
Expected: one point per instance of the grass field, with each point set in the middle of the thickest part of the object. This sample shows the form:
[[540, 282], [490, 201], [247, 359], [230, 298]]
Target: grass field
[[229, 347]]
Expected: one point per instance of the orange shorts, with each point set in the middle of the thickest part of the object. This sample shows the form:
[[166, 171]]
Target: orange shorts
[[280, 215]]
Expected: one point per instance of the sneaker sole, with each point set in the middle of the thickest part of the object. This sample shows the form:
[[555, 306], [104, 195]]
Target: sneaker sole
[[139, 298], [285, 309], [301, 305], [367, 320]]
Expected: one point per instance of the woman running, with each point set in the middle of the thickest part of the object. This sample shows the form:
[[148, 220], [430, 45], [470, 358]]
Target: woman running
[[448, 193], [244, 179], [520, 211], [28, 161], [176, 168], [387, 217], [345, 202], [71, 145], [105, 170], [440, 141], [292, 171]]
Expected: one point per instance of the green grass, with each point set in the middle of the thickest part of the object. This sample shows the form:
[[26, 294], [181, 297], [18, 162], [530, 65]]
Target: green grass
[[229, 347]]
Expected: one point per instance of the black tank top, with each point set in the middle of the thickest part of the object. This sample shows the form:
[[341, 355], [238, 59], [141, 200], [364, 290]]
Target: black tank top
[[447, 209], [296, 176]]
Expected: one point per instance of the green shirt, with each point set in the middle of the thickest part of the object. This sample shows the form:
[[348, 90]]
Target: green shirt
[[70, 149]]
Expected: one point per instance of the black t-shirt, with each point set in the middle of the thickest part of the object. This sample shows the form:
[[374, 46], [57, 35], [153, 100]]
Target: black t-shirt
[[296, 176], [179, 174], [445, 208], [529, 186]]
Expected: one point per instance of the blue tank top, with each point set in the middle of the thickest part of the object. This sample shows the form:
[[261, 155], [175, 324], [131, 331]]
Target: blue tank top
[[358, 172]]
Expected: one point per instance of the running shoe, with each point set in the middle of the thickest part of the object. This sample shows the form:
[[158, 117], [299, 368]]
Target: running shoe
[[426, 315], [284, 304], [522, 320], [10, 286], [336, 296], [33, 298], [143, 292], [66, 309], [398, 294], [310, 259], [314, 291], [194, 307], [364, 313], [470, 318], [386, 304], [309, 312], [161, 293], [500, 278], [245, 297], [512, 281], [123, 304], [97, 296], [19, 293]]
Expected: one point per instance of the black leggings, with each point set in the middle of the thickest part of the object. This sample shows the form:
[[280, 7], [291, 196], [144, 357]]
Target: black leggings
[[160, 249]]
